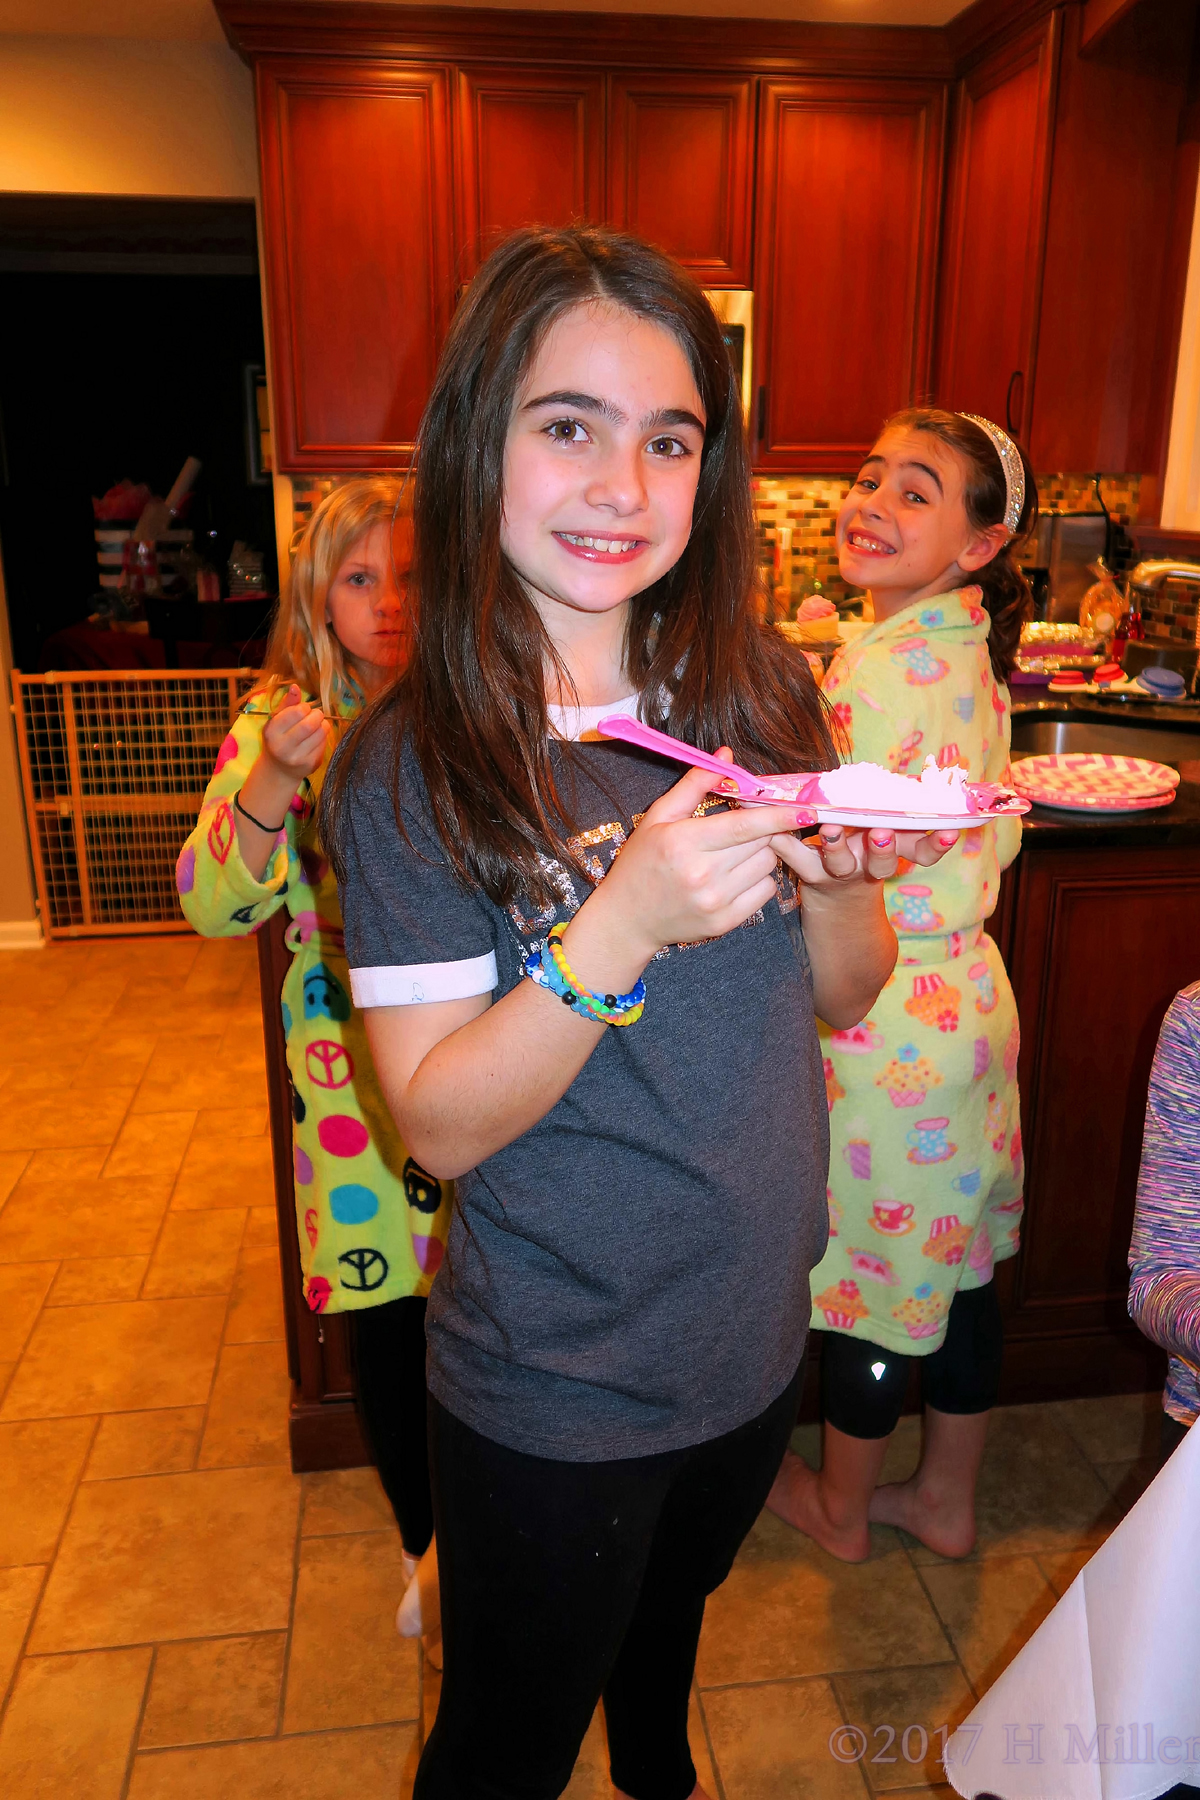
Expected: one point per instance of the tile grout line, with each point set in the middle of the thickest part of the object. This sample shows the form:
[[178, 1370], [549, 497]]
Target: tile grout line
[[28, 1155], [48, 1569], [297, 1546], [136, 1733], [708, 1742]]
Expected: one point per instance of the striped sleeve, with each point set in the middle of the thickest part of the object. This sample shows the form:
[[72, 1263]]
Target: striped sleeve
[[1164, 1254]]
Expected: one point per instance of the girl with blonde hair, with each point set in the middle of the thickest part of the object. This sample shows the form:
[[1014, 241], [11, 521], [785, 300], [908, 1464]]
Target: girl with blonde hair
[[371, 1223]]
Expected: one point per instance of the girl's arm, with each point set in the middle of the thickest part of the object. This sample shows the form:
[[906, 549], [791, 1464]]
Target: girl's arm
[[851, 946], [230, 874], [1164, 1256], [463, 1078]]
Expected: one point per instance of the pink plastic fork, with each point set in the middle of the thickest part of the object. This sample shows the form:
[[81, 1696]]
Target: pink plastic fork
[[747, 786]]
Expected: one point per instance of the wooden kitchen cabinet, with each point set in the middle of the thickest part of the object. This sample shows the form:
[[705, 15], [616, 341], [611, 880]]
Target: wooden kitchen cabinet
[[530, 152], [1097, 400], [995, 229], [681, 169], [1099, 940], [357, 234], [847, 228], [1065, 211]]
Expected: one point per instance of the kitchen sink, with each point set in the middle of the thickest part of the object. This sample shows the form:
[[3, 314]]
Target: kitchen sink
[[1037, 734]]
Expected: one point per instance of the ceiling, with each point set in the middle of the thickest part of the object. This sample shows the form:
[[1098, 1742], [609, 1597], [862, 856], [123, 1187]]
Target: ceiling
[[195, 21]]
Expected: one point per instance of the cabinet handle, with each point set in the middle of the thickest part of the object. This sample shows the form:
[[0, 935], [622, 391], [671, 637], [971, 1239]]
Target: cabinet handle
[[760, 424], [1010, 422]]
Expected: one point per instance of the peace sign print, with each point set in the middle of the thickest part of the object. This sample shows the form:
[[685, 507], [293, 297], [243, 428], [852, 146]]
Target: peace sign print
[[364, 1270], [329, 1064]]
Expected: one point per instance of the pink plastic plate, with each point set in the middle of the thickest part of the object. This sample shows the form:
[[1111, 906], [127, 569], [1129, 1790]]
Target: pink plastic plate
[[1089, 781]]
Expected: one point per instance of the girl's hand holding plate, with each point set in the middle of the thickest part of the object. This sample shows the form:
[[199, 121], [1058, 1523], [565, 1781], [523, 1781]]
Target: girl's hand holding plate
[[841, 857]]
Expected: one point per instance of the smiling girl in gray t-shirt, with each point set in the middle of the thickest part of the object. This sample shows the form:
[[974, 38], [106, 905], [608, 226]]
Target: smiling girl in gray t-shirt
[[590, 993]]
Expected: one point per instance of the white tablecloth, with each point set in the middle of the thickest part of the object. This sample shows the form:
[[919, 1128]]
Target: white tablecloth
[[1103, 1703]]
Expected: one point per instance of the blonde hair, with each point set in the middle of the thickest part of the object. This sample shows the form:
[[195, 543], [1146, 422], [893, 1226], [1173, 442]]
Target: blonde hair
[[302, 648]]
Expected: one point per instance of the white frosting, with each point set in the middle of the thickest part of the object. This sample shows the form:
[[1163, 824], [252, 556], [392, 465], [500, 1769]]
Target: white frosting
[[865, 785]]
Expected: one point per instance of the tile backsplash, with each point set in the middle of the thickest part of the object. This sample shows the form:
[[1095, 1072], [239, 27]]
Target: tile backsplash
[[796, 520]]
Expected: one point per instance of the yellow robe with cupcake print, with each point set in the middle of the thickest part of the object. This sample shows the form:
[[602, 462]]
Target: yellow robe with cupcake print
[[925, 1137]]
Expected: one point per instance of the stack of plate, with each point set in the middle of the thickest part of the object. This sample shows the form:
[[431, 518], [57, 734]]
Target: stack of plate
[[1087, 781]]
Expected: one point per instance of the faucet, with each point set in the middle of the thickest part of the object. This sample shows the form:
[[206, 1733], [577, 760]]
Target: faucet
[[1149, 578]]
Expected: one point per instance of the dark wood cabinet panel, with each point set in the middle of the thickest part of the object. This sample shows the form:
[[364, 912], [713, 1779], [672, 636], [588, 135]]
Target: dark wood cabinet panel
[[1087, 1044], [1099, 392], [530, 152], [681, 166], [357, 234], [848, 198], [996, 229]]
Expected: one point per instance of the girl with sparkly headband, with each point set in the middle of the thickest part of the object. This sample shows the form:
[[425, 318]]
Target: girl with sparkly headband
[[370, 1222], [925, 1158], [591, 992]]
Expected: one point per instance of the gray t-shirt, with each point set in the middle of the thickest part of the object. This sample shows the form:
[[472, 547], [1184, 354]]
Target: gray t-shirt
[[631, 1275]]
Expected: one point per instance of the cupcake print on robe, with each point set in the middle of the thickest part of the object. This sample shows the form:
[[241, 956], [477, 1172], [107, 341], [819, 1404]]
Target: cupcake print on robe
[[947, 1241], [842, 1305], [934, 1002], [908, 1078], [922, 1313]]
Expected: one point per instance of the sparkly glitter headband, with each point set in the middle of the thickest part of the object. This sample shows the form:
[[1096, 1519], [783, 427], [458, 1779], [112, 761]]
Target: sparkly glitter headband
[[1014, 470]]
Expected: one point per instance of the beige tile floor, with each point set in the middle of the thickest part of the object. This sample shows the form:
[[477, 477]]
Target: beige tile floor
[[183, 1618]]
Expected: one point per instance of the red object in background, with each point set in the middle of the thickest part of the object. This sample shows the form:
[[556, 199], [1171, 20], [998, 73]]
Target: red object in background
[[94, 647], [354, 357], [996, 229], [681, 169], [831, 149], [532, 150]]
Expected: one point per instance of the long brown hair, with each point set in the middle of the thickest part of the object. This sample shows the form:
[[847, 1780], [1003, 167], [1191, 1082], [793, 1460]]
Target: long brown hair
[[1006, 594], [471, 704], [302, 647]]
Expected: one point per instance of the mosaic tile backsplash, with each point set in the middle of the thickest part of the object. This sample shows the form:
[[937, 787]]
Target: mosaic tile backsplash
[[796, 521]]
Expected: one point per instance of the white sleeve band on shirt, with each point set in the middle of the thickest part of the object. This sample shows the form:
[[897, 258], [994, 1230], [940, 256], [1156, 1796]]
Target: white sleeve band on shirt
[[415, 984]]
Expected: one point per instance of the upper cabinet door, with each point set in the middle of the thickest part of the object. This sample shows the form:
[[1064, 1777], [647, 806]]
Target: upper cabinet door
[[681, 168], [356, 229], [531, 152], [848, 196], [996, 230]]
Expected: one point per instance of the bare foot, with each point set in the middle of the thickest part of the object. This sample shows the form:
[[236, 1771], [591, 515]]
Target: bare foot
[[796, 1498], [942, 1523]]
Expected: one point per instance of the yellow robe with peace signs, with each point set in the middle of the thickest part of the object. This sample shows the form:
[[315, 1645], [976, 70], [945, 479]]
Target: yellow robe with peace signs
[[926, 1168], [371, 1223]]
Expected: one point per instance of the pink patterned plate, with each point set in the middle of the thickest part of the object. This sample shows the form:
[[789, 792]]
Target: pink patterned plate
[[1089, 781]]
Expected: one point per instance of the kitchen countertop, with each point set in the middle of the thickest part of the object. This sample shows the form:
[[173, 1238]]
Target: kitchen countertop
[[1166, 827]]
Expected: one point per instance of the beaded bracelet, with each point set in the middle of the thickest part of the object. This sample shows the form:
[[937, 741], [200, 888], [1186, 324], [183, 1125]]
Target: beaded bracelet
[[548, 966]]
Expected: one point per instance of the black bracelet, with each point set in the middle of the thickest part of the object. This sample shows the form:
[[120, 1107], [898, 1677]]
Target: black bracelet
[[274, 830]]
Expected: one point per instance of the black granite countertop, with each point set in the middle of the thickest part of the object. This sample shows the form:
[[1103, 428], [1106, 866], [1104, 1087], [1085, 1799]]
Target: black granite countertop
[[1165, 827]]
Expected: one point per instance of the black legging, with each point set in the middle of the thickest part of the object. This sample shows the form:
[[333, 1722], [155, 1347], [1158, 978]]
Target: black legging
[[389, 1345], [562, 1581], [863, 1385]]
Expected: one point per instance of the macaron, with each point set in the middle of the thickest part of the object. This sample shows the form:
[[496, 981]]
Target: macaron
[[1164, 684]]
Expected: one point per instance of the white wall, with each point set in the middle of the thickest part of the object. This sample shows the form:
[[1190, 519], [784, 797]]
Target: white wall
[[1181, 483], [125, 116]]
